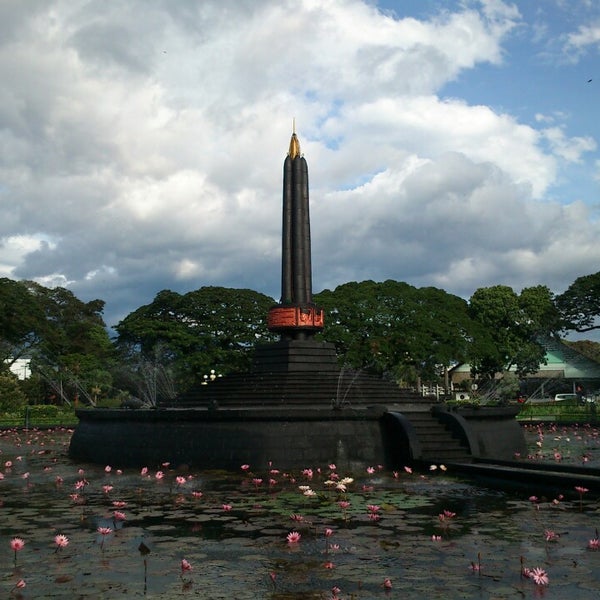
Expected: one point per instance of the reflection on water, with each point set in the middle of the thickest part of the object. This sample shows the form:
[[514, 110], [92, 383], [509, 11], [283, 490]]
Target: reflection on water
[[428, 533]]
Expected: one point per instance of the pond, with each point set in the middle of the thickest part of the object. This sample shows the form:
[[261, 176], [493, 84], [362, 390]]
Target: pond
[[276, 535]]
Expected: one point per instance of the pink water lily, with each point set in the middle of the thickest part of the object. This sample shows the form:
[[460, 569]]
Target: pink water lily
[[61, 541], [293, 537]]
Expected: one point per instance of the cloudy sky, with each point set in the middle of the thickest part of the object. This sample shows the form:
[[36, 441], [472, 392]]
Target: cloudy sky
[[449, 143]]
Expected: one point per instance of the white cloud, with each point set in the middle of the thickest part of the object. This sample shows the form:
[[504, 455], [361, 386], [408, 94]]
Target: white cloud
[[570, 149], [586, 35]]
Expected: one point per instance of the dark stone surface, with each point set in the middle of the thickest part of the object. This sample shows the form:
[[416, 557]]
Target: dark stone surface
[[289, 438], [489, 432]]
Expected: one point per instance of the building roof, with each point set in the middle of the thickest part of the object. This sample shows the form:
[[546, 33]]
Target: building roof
[[561, 361]]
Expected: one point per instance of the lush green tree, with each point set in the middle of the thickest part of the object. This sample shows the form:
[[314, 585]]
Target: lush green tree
[[395, 328], [22, 321], [209, 328], [579, 305], [65, 338], [11, 396], [513, 327]]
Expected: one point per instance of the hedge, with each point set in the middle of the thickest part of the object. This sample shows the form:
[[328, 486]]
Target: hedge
[[39, 415]]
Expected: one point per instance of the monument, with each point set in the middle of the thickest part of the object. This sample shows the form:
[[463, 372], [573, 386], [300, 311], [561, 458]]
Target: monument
[[296, 407]]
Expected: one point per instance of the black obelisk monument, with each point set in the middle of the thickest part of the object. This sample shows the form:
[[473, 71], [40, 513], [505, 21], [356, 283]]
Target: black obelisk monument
[[296, 317]]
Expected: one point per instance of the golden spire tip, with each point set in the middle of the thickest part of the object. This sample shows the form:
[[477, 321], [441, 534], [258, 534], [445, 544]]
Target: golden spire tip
[[294, 143]]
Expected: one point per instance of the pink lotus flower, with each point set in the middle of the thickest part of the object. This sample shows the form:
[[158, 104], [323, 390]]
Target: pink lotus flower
[[104, 531], [159, 475], [297, 518], [119, 504], [370, 470], [539, 576], [61, 541], [373, 508], [19, 585], [329, 565], [17, 544], [196, 494], [581, 491], [436, 538], [594, 544], [245, 467], [293, 537], [328, 532], [144, 471], [387, 583], [551, 536], [185, 566], [119, 516], [180, 480], [107, 488], [107, 469], [408, 470], [226, 507]]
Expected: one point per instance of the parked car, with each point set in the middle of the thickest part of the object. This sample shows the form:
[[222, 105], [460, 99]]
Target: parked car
[[566, 397], [574, 397]]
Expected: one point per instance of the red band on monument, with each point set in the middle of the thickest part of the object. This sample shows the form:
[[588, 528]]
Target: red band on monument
[[295, 317]]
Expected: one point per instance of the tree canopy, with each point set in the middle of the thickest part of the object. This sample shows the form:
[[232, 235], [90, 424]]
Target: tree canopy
[[579, 305], [514, 327], [209, 328], [395, 328]]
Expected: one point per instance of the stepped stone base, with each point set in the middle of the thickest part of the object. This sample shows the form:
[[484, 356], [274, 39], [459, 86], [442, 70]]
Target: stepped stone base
[[295, 355], [296, 373]]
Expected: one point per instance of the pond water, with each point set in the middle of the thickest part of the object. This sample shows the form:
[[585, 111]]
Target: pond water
[[430, 534]]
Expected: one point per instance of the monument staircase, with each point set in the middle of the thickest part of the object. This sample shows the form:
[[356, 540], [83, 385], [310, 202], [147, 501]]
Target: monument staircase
[[438, 442]]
